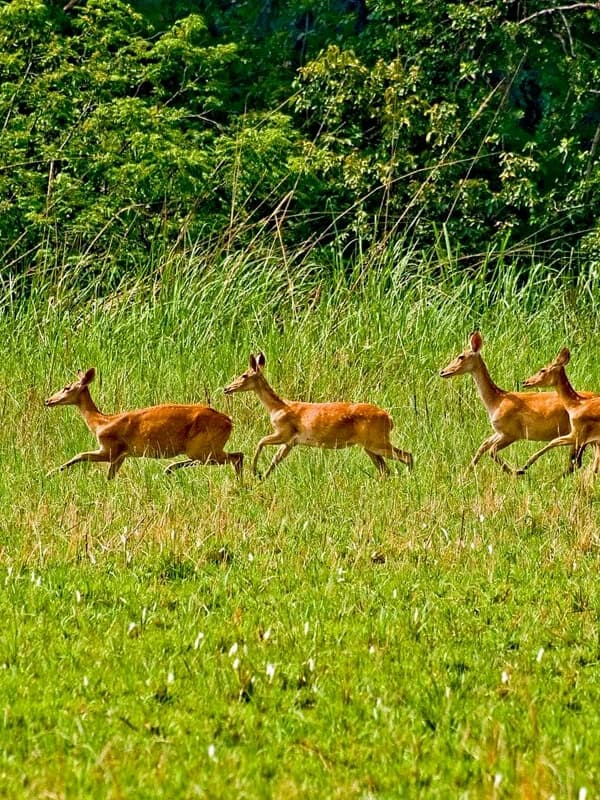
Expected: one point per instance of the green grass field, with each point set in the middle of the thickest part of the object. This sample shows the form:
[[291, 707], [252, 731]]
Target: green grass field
[[324, 633]]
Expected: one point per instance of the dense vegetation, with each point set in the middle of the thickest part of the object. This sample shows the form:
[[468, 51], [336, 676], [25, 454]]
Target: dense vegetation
[[127, 126]]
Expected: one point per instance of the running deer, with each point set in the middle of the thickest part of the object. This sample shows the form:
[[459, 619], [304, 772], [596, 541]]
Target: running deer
[[327, 425], [583, 409], [537, 416], [156, 432]]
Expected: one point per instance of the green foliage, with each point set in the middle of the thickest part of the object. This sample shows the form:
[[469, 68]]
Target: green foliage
[[130, 124], [467, 123]]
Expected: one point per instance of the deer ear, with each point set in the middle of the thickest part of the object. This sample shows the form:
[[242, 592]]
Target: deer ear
[[476, 341], [563, 357], [87, 377], [261, 360], [252, 362]]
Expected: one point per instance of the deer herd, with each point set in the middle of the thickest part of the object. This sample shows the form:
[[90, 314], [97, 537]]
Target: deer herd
[[563, 417]]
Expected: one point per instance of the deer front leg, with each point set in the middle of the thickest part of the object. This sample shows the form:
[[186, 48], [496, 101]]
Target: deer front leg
[[495, 442], [483, 448], [503, 442], [279, 456], [95, 455], [273, 438]]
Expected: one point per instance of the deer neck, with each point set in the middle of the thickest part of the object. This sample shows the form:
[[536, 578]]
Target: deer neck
[[565, 390], [270, 399], [89, 410], [490, 394]]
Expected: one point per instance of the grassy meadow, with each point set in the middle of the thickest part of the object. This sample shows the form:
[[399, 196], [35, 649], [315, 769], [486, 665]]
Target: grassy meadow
[[324, 633]]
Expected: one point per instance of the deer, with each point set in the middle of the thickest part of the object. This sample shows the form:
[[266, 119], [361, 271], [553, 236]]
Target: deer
[[583, 409], [327, 425], [536, 416], [163, 431]]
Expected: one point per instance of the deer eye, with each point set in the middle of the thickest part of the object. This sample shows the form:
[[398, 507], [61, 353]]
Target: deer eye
[[461, 358]]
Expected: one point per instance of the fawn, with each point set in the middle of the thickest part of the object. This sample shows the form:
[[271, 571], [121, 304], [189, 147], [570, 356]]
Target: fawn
[[327, 425], [538, 416], [583, 410], [156, 432]]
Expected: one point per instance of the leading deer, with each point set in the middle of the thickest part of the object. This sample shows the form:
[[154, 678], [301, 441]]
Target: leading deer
[[583, 410], [535, 416], [155, 432], [327, 425]]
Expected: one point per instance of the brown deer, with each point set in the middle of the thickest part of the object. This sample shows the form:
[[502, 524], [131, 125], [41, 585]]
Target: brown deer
[[537, 416], [155, 432], [327, 425], [583, 410]]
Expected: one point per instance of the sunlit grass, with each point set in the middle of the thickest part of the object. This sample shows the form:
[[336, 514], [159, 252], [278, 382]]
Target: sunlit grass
[[324, 633]]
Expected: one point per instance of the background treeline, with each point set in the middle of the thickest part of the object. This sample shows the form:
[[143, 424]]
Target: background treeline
[[131, 126]]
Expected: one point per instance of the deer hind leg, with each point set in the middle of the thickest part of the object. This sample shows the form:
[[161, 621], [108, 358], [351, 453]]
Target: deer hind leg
[[561, 441], [115, 466], [208, 451], [402, 455], [575, 459], [213, 459], [237, 459], [596, 462], [170, 468], [379, 462], [389, 451]]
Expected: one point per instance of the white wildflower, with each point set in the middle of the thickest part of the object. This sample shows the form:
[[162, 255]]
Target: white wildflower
[[540, 655]]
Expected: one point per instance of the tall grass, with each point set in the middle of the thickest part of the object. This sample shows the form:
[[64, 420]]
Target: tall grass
[[323, 633]]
